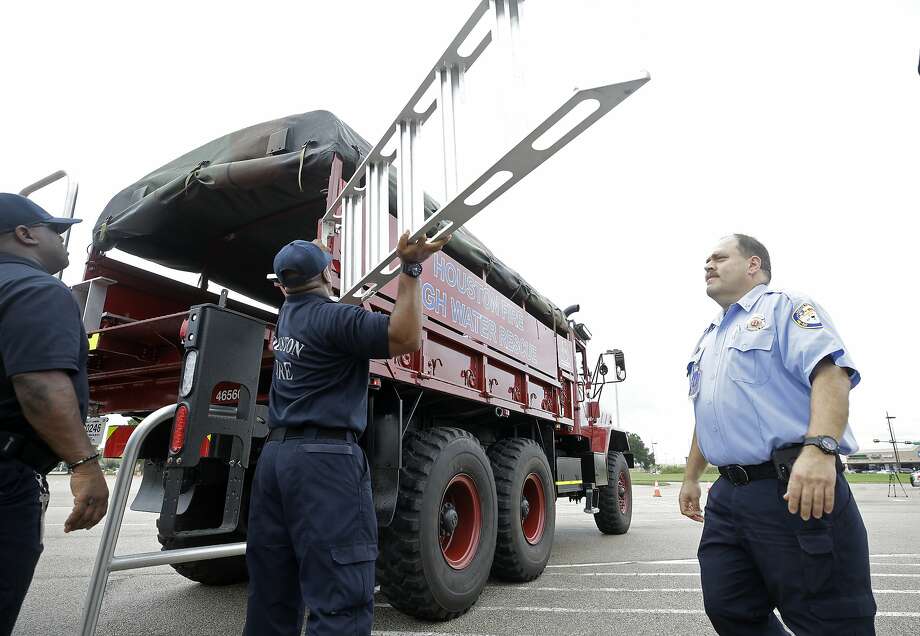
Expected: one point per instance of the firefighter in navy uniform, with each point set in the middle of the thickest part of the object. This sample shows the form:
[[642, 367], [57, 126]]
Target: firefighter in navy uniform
[[770, 381], [43, 395], [312, 535]]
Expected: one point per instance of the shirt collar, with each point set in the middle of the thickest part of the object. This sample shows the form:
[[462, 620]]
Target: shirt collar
[[10, 258], [307, 296], [745, 302]]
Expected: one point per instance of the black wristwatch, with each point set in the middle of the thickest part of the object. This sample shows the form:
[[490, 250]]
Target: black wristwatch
[[412, 269], [827, 444]]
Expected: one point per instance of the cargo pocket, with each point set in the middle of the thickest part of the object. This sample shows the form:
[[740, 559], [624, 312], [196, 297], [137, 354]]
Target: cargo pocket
[[353, 575], [844, 607], [749, 356], [817, 561]]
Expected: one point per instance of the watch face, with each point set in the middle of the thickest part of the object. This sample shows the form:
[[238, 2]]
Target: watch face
[[828, 443]]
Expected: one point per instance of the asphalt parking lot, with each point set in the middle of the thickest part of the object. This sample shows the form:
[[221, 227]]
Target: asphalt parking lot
[[644, 582]]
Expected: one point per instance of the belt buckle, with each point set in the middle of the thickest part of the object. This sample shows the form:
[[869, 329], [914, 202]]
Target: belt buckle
[[738, 476]]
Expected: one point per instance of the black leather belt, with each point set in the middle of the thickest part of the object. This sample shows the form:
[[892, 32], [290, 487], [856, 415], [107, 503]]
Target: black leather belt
[[742, 475], [281, 433]]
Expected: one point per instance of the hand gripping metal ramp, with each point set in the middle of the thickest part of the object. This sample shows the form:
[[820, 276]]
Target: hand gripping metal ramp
[[361, 212]]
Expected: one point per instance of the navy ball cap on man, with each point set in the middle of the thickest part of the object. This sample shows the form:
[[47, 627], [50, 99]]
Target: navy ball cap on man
[[16, 210], [302, 260]]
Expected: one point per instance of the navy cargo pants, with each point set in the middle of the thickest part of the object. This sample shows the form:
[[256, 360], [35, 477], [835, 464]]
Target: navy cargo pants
[[312, 540], [756, 557], [23, 499]]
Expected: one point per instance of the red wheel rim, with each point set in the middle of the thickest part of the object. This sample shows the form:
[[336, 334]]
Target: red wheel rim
[[534, 521], [622, 494], [460, 522]]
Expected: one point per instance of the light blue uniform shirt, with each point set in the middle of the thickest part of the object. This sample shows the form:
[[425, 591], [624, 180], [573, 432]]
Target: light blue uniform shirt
[[750, 376]]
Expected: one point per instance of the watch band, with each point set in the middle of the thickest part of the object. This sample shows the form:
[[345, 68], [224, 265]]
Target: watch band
[[412, 269], [825, 443]]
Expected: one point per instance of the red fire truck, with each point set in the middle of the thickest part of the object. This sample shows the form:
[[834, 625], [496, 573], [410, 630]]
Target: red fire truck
[[471, 440]]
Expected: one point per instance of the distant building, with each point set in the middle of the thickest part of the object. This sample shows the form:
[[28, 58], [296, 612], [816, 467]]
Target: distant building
[[882, 458]]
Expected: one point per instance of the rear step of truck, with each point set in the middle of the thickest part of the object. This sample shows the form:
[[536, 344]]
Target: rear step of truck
[[208, 364]]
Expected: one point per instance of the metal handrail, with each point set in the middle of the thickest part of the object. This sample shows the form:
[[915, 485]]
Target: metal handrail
[[70, 201], [106, 562]]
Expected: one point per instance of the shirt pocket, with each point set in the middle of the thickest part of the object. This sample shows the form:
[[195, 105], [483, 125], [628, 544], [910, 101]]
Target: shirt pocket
[[749, 356]]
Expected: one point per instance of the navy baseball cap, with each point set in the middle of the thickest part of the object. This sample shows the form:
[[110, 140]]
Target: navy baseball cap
[[16, 210], [307, 260]]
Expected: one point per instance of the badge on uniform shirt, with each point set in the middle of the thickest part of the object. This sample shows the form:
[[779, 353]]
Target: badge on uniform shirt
[[807, 317], [756, 322], [694, 380]]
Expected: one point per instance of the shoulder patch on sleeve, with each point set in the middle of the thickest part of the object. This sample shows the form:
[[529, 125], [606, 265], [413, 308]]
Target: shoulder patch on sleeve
[[806, 316]]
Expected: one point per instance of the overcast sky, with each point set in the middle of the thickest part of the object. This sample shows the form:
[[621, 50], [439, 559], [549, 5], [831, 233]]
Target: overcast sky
[[796, 122]]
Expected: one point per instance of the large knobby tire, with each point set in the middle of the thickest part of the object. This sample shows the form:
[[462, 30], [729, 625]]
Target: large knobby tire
[[225, 571], [615, 499], [436, 555], [526, 509]]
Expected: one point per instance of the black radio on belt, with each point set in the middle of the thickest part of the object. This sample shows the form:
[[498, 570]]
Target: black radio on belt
[[783, 459], [35, 455]]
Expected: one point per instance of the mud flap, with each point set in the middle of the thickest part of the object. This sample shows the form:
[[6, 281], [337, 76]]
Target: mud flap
[[150, 495], [385, 455]]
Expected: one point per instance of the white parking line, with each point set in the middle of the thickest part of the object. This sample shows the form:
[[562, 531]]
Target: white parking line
[[694, 561], [376, 633], [601, 610], [591, 565], [635, 574], [648, 590]]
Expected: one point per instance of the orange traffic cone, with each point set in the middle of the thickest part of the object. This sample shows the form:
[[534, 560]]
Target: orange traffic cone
[[657, 492]]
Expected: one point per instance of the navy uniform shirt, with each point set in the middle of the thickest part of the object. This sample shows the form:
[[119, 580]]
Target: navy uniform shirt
[[750, 376], [322, 353], [40, 330]]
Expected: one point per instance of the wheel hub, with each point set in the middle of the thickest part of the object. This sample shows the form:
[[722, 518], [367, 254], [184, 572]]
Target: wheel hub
[[525, 508], [533, 509], [450, 519], [622, 494], [460, 521]]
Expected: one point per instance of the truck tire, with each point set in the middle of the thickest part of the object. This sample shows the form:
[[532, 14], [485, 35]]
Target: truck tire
[[226, 571], [615, 499], [526, 509], [436, 555]]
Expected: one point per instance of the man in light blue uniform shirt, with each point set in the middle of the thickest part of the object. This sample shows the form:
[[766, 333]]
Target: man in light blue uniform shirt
[[770, 381]]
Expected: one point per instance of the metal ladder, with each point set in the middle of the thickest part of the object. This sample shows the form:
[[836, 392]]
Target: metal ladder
[[106, 562], [361, 212], [70, 200]]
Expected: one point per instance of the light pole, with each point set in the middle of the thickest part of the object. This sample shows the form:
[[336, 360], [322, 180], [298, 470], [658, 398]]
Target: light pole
[[654, 454], [897, 458]]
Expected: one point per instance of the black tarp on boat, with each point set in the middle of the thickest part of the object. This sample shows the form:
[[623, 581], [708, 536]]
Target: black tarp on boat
[[226, 208]]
